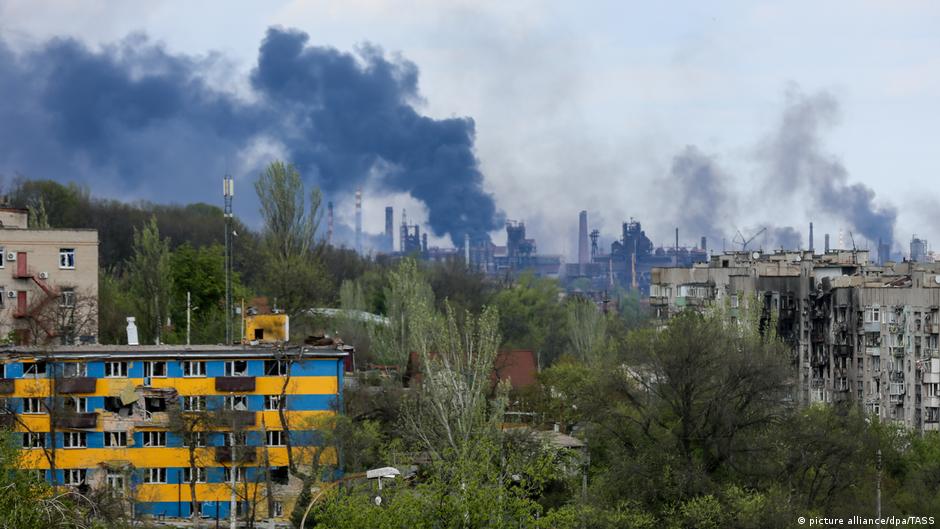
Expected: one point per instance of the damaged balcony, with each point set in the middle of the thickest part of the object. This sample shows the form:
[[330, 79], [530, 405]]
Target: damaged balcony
[[235, 384], [77, 421], [71, 385], [244, 454], [6, 386]]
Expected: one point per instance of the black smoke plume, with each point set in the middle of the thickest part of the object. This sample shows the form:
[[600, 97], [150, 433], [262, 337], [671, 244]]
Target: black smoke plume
[[134, 118]]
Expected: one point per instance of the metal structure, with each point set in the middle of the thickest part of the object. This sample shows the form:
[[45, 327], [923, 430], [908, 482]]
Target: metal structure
[[359, 220], [228, 192]]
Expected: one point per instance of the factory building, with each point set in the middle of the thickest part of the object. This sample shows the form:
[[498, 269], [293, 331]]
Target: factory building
[[48, 282], [858, 332], [147, 421]]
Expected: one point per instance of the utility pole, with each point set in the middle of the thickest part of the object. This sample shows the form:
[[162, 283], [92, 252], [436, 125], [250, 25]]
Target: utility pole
[[878, 492], [228, 191], [189, 311]]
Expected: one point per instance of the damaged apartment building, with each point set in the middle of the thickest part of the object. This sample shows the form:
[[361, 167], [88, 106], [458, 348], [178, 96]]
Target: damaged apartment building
[[858, 332], [154, 423]]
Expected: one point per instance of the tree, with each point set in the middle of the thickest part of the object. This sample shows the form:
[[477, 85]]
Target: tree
[[407, 289], [587, 329], [532, 317], [150, 280]]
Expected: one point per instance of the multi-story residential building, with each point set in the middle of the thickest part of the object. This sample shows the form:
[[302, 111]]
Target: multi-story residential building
[[147, 422], [48, 282], [857, 331]]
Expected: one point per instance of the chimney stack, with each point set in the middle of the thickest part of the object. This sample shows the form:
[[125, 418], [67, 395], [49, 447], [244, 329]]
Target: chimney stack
[[389, 229], [811, 237], [359, 220], [703, 244], [466, 249], [826, 239], [582, 243]]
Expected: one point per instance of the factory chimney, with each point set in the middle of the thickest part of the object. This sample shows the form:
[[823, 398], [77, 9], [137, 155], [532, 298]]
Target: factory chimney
[[389, 230], [826, 239], [703, 244], [811, 237], [359, 220], [675, 257], [424, 243], [583, 257], [329, 223]]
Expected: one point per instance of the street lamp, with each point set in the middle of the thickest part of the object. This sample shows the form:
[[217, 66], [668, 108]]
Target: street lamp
[[376, 473], [228, 192]]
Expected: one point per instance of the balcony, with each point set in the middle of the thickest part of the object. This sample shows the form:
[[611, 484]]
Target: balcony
[[872, 326], [77, 421], [234, 384], [245, 454], [68, 386], [6, 386]]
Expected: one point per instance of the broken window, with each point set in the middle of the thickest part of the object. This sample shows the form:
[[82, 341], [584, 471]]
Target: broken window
[[193, 403], [275, 368], [154, 439], [236, 402], [200, 474], [74, 440], [116, 405], [115, 369], [273, 402], [74, 476], [33, 405], [236, 368], [280, 475], [75, 404], [154, 369], [34, 369], [155, 404], [259, 334], [74, 369], [197, 438], [34, 440], [194, 368], [115, 439], [67, 258]]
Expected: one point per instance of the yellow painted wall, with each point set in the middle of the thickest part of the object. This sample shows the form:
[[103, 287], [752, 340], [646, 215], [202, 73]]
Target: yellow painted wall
[[112, 387], [276, 327], [159, 457]]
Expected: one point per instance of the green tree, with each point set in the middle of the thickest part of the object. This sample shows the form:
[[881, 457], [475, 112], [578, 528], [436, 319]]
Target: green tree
[[150, 280], [587, 329], [407, 289], [533, 317]]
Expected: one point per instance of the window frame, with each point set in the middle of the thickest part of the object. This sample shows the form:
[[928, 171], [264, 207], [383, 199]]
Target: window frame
[[276, 368], [67, 477], [273, 402], [108, 366], [149, 368], [119, 436], [200, 474], [38, 409], [115, 481], [67, 298], [231, 400], [202, 440], [187, 365], [34, 440], [153, 439], [189, 399], [81, 369], [81, 404], [35, 366], [229, 369], [155, 475], [270, 435], [66, 258], [80, 440]]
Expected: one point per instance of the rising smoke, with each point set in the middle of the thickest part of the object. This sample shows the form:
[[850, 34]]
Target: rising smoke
[[794, 167], [134, 118]]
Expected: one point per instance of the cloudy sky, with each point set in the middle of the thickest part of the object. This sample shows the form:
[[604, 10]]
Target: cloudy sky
[[765, 113]]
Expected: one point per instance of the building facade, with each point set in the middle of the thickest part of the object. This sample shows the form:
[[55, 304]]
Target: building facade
[[48, 282], [148, 423], [857, 331]]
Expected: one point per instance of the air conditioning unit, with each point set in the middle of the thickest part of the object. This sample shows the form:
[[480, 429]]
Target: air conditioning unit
[[11, 294], [11, 256], [43, 275]]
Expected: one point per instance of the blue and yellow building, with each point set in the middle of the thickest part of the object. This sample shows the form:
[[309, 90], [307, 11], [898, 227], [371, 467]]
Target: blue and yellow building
[[147, 421]]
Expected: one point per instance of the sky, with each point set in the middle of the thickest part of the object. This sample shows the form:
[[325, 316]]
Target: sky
[[715, 117]]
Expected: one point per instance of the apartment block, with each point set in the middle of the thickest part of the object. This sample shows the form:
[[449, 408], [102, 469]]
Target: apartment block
[[48, 282], [147, 422], [858, 332]]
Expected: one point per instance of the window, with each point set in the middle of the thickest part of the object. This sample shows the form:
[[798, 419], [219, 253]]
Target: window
[[194, 403], [154, 369], [199, 438], [277, 509], [236, 368], [194, 368], [236, 402], [115, 369], [154, 439], [115, 482], [66, 257], [275, 368], [74, 476], [280, 475], [33, 405], [3, 367], [115, 439], [75, 440], [275, 438], [273, 402], [154, 475], [239, 476], [234, 439], [200, 474], [75, 404], [34, 440], [2, 257], [153, 404], [34, 369], [75, 369], [67, 298]]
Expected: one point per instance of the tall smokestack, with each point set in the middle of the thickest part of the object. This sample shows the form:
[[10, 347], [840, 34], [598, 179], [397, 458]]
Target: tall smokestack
[[826, 239], [329, 223], [582, 243], [389, 229], [811, 237], [675, 258], [359, 220], [703, 244]]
